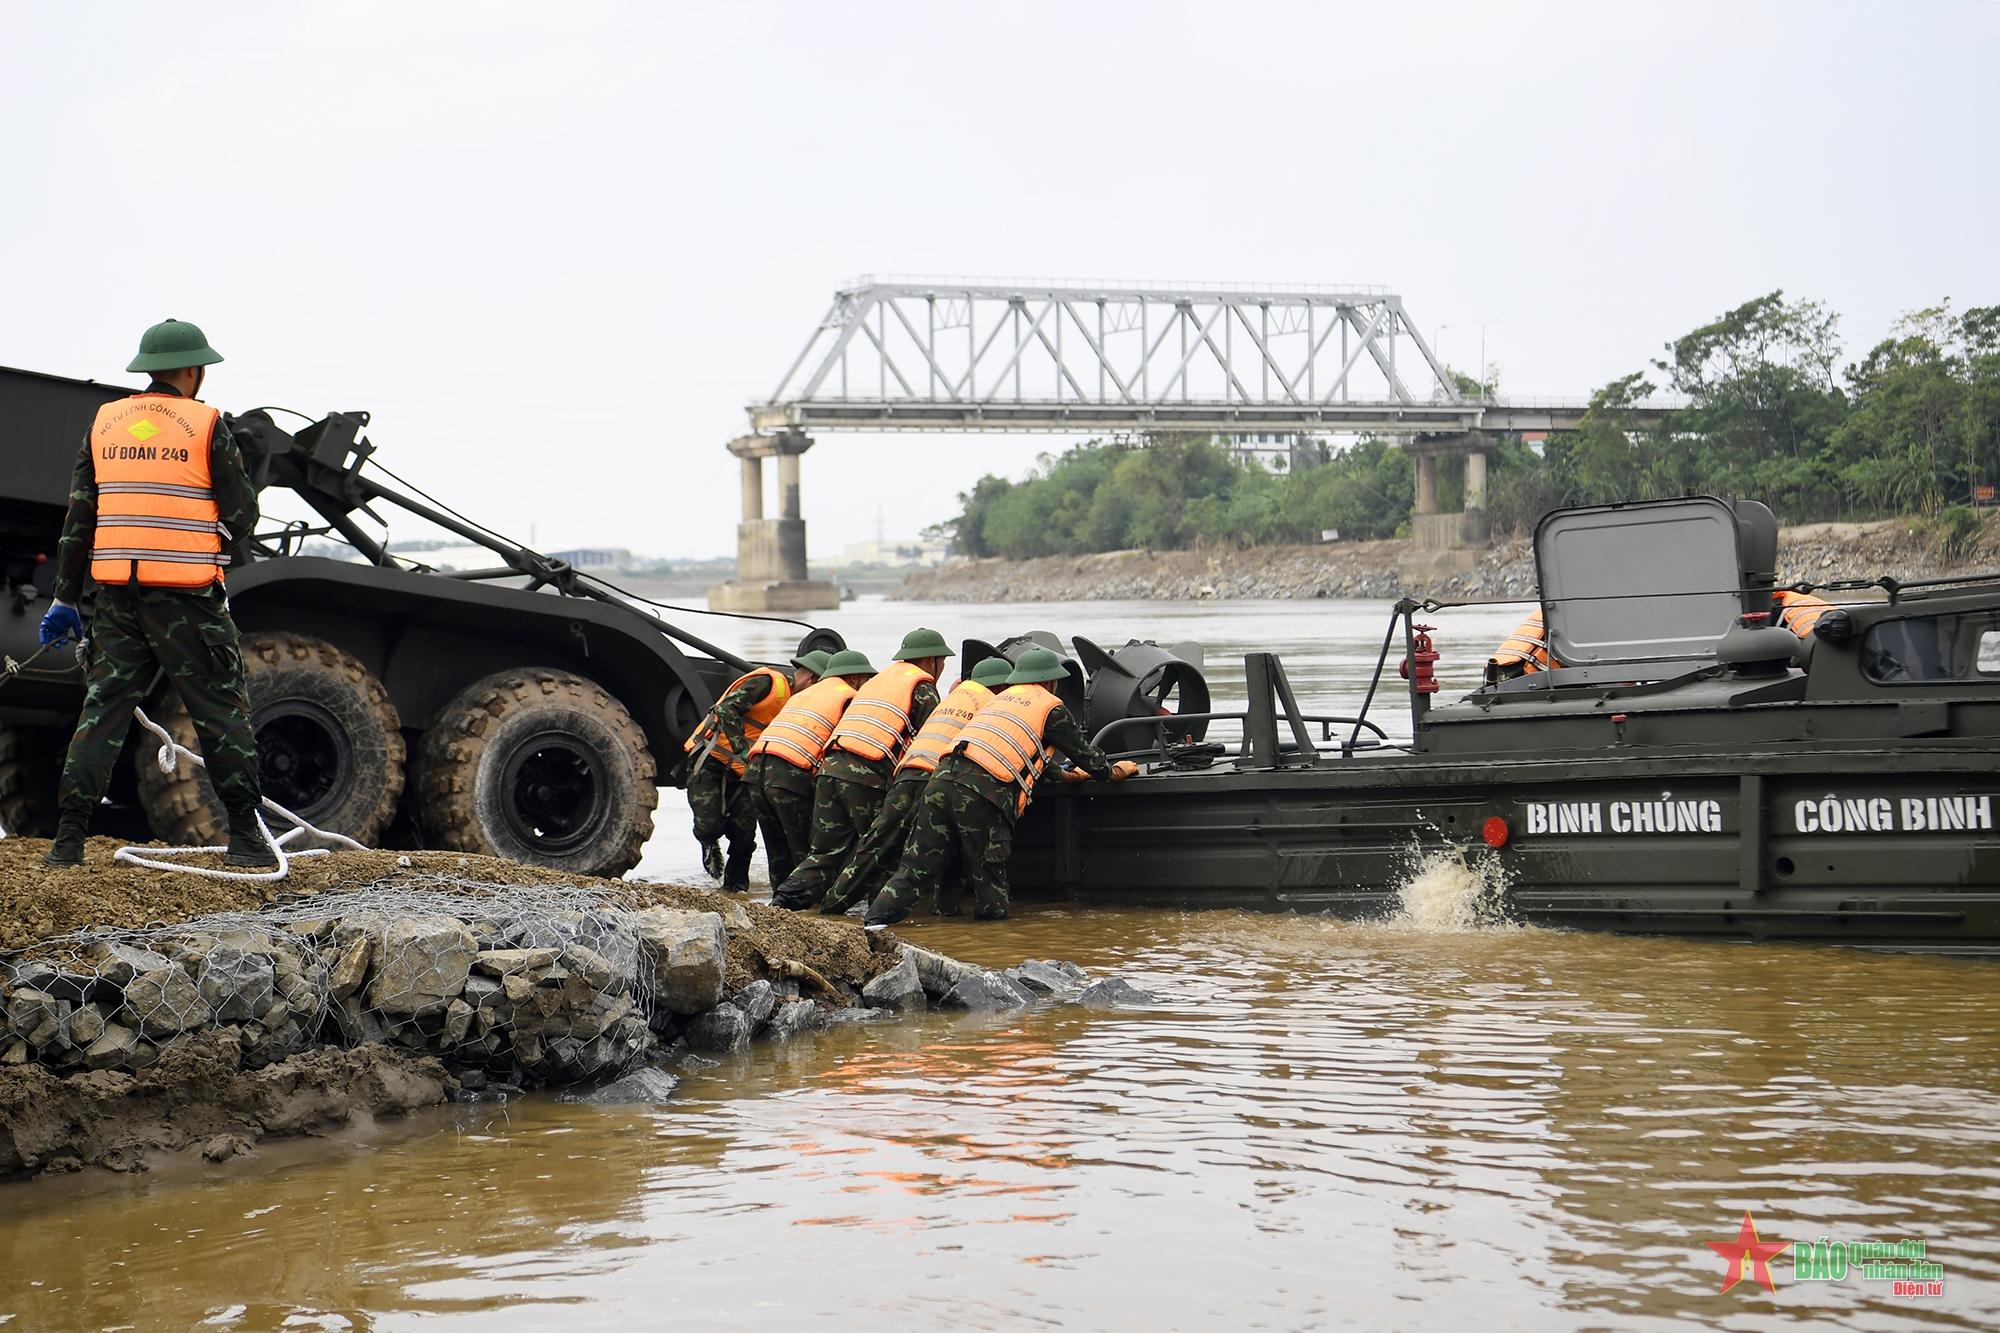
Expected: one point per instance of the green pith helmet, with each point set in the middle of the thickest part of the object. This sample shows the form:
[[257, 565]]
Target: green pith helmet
[[922, 643], [992, 672], [174, 345], [849, 662], [814, 661], [1037, 666]]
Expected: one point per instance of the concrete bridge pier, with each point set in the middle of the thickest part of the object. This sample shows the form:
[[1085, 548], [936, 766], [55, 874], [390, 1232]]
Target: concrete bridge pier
[[771, 552], [1469, 528]]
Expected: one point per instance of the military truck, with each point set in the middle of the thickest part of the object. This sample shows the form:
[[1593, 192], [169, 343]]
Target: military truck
[[526, 710]]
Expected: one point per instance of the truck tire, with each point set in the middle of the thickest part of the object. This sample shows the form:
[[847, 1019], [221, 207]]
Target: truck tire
[[329, 746], [30, 768], [539, 766]]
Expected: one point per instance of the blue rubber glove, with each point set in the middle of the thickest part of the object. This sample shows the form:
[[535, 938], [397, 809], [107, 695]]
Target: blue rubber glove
[[61, 622]]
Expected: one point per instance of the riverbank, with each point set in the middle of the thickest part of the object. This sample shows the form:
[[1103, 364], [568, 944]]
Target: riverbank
[[1820, 552], [145, 1013]]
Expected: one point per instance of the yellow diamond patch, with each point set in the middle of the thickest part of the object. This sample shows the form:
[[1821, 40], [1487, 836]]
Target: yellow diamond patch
[[145, 430]]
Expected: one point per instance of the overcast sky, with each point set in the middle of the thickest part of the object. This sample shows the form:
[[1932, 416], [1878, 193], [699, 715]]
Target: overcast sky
[[555, 249]]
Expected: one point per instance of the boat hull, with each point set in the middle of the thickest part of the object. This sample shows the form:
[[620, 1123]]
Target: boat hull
[[1888, 847]]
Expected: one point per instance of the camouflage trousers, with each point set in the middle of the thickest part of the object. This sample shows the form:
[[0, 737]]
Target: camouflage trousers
[[722, 809], [956, 830], [784, 813], [134, 634], [842, 813], [880, 848]]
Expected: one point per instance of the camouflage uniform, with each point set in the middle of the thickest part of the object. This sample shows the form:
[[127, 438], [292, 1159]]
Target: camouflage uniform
[[721, 801], [846, 800], [875, 856], [782, 795], [137, 632], [966, 822]]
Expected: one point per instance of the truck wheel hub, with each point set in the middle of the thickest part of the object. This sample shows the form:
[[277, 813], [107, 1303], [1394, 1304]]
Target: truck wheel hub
[[555, 792], [303, 755]]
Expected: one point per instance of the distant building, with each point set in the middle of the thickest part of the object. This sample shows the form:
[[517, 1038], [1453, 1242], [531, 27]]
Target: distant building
[[894, 551], [1277, 449], [612, 558]]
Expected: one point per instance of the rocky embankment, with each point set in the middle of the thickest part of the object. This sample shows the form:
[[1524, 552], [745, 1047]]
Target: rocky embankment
[[379, 984], [1820, 552]]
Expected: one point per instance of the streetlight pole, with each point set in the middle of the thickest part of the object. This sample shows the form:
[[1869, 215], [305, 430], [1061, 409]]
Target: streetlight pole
[[1482, 323], [1437, 350]]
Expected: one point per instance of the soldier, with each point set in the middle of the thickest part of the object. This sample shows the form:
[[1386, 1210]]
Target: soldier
[[864, 751], [875, 856], [784, 758], [1522, 653], [982, 787], [716, 790], [1798, 611], [159, 495]]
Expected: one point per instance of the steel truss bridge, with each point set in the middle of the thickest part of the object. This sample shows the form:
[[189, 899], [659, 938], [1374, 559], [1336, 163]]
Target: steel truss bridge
[[1112, 359], [938, 354]]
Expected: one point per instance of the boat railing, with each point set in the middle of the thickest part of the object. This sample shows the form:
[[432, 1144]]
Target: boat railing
[[1176, 747]]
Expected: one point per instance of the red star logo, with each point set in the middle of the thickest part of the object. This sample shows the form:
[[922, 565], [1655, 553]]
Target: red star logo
[[1748, 1256]]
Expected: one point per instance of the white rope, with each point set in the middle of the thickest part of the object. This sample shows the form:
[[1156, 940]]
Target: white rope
[[171, 753]]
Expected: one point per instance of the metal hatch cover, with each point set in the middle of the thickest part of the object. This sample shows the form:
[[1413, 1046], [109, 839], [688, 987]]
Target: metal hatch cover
[[1652, 581]]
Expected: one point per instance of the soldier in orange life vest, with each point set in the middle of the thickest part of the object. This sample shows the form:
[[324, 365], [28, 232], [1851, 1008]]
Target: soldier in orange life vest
[[1522, 653], [717, 792], [982, 787], [784, 760], [864, 751], [1798, 611], [875, 856], [159, 497]]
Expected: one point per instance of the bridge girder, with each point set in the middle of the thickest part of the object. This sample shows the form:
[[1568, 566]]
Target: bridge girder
[[974, 355], [953, 355]]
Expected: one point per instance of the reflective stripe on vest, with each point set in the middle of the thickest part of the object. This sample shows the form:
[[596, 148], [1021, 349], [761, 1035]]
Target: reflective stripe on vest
[[799, 733], [1526, 645], [1005, 737], [708, 737], [941, 730], [877, 725], [157, 520], [1800, 611]]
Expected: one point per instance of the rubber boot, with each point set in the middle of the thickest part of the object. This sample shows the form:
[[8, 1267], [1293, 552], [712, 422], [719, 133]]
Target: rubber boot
[[711, 859], [885, 911], [248, 847], [736, 874], [67, 849]]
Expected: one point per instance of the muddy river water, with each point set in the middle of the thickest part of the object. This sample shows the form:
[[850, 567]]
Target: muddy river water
[[1322, 1124]]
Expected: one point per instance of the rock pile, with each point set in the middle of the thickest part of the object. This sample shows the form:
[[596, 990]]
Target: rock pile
[[512, 988], [526, 994], [379, 998]]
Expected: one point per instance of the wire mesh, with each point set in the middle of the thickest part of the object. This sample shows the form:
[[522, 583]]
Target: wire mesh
[[542, 984]]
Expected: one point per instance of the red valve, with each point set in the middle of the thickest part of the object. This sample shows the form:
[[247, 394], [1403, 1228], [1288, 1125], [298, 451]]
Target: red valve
[[1425, 656]]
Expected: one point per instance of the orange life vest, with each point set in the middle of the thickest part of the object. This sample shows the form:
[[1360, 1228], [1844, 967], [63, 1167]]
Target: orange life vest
[[157, 520], [1005, 737], [708, 737], [877, 725], [1799, 611], [1528, 645], [799, 733], [935, 740]]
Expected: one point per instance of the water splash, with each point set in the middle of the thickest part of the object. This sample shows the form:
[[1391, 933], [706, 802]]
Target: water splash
[[1445, 893]]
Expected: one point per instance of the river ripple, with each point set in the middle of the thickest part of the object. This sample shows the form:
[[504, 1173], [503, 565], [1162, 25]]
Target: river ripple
[[1323, 1123]]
